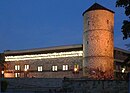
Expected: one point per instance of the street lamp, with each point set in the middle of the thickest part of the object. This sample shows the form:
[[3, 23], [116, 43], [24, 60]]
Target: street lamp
[[123, 70], [2, 72]]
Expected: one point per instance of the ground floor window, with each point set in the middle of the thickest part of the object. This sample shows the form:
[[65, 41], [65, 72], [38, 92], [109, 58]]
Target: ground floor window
[[17, 75], [54, 68]]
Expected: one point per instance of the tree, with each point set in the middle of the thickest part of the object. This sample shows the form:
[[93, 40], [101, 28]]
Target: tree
[[126, 23]]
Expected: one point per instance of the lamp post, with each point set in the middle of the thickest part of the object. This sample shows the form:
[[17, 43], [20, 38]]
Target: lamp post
[[123, 73], [2, 72]]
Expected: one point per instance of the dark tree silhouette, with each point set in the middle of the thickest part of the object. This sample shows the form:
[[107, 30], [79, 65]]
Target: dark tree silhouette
[[126, 23]]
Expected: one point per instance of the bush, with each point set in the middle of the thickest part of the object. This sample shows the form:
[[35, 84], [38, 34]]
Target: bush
[[4, 85]]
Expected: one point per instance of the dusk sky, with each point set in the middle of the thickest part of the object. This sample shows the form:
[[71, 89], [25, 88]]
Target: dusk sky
[[27, 24]]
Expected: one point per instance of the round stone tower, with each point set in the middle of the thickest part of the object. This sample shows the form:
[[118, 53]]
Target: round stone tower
[[98, 61]]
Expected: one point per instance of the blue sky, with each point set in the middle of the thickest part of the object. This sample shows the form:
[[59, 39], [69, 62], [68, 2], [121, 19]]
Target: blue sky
[[26, 24]]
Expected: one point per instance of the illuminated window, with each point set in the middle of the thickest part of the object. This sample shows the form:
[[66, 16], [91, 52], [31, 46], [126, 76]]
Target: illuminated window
[[26, 67], [76, 68], [54, 68], [65, 67], [17, 75], [39, 68], [17, 67]]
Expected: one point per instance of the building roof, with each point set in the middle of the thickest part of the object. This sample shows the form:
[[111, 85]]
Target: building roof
[[53, 49], [96, 6], [122, 50], [45, 50]]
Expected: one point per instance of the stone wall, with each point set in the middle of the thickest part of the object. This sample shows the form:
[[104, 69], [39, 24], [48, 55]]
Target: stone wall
[[98, 44], [47, 67], [95, 86], [66, 85]]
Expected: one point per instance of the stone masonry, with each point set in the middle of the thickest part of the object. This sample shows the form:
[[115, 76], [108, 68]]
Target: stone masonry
[[47, 68], [98, 44]]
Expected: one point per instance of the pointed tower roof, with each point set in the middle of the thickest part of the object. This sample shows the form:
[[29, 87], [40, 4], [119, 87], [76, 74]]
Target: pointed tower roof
[[97, 6]]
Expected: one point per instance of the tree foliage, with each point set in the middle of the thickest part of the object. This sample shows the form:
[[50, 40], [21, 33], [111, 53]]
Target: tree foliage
[[126, 23]]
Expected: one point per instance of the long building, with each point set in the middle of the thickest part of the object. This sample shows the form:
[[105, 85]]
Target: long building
[[55, 62], [96, 58]]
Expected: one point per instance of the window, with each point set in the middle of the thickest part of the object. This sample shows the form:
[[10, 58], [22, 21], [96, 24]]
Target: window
[[88, 22], [107, 21], [26, 67], [87, 42], [65, 67], [39, 68], [17, 75], [54, 68], [17, 67], [123, 70], [76, 68]]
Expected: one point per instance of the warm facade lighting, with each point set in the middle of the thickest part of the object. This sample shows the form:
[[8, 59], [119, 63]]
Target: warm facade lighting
[[44, 56], [76, 68]]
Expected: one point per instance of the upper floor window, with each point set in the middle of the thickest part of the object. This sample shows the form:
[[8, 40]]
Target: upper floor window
[[17, 67], [54, 68], [26, 67], [39, 68], [65, 67]]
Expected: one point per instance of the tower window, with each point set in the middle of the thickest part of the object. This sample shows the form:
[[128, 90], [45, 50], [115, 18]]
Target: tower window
[[17, 67], [65, 67], [54, 68], [87, 42], [107, 21], [88, 22], [39, 68]]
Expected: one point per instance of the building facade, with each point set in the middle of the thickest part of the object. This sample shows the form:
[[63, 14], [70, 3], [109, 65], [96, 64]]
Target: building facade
[[56, 62], [74, 61]]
